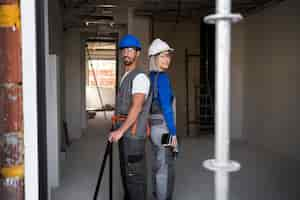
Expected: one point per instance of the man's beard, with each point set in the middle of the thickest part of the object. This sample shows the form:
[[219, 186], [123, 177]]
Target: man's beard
[[128, 61]]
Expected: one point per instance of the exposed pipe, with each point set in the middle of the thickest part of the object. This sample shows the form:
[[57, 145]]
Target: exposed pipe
[[221, 164], [11, 111]]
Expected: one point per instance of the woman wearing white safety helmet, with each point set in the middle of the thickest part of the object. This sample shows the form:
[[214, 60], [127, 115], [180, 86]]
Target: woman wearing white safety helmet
[[163, 129]]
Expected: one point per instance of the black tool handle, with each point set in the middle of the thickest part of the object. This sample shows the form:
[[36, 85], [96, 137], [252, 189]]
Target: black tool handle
[[107, 152], [111, 173]]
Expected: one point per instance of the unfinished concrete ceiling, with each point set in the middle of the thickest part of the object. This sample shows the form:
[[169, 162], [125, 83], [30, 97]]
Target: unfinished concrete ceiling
[[111, 14]]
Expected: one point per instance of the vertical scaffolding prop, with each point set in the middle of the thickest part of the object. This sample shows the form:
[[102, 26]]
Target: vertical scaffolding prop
[[11, 112], [221, 165]]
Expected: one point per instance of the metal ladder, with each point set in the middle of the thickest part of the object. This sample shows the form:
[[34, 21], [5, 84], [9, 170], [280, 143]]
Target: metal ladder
[[204, 102]]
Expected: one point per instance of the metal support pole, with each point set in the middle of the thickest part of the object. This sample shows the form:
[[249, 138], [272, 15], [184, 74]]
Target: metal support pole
[[223, 30], [221, 164]]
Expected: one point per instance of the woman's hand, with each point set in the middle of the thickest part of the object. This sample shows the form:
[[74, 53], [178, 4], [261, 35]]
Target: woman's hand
[[174, 141]]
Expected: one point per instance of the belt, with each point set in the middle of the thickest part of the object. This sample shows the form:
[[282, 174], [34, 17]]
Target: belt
[[121, 118]]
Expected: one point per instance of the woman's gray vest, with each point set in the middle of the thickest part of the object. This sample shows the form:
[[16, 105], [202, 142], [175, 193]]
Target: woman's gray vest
[[124, 101], [155, 106]]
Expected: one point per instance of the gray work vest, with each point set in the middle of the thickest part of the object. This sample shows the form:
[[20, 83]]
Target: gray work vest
[[155, 105], [157, 118], [124, 101]]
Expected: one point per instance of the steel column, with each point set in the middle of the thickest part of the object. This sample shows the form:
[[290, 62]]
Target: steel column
[[221, 164]]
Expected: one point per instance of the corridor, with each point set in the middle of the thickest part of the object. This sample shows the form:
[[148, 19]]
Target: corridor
[[263, 176], [61, 59]]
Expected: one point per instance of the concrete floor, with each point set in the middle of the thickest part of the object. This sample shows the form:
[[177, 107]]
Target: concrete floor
[[264, 175]]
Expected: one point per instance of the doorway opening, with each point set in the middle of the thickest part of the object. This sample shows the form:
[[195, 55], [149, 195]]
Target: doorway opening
[[200, 84], [101, 80]]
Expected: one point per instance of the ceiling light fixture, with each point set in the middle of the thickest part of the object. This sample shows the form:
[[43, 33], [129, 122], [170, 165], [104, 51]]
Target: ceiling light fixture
[[106, 6], [111, 24]]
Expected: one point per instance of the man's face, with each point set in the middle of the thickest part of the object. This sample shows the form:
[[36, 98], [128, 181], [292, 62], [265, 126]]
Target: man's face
[[129, 55]]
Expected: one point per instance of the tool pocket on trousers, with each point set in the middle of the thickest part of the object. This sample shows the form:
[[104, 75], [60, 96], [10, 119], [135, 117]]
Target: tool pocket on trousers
[[169, 157], [135, 167], [135, 158]]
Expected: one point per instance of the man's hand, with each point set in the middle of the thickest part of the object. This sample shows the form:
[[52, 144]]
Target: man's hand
[[136, 107], [114, 136]]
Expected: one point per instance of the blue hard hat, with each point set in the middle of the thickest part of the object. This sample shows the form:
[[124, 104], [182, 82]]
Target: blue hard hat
[[130, 41]]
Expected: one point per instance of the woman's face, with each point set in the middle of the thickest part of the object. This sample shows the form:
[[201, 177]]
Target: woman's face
[[163, 60]]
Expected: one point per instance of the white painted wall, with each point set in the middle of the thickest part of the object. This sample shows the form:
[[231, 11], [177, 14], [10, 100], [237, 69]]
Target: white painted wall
[[74, 81], [271, 79]]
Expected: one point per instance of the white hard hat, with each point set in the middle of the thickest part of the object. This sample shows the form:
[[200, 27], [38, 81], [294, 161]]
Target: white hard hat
[[158, 46]]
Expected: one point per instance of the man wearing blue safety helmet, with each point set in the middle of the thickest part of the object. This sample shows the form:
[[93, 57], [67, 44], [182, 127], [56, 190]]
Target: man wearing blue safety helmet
[[131, 119]]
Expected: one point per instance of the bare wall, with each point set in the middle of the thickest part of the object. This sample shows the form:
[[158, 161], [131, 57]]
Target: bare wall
[[271, 108], [56, 39], [237, 80], [74, 82], [179, 36], [141, 26], [55, 28]]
